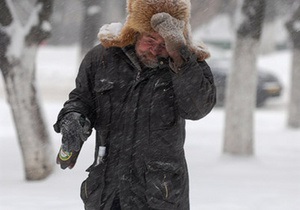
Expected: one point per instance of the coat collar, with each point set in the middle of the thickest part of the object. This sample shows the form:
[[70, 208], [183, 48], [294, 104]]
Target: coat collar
[[130, 53]]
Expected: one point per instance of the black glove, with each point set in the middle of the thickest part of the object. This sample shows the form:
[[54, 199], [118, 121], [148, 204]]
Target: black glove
[[75, 129]]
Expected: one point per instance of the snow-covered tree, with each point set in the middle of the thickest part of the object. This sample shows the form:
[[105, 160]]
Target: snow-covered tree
[[293, 26], [23, 26], [241, 91]]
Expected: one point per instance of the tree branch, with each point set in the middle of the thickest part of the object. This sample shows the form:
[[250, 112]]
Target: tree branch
[[41, 31], [253, 12], [5, 15], [13, 12], [6, 19], [293, 26], [4, 42]]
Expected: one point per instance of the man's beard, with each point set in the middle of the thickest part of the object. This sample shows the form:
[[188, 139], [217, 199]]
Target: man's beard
[[146, 61]]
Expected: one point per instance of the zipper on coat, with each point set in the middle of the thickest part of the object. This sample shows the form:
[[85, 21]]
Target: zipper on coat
[[138, 76]]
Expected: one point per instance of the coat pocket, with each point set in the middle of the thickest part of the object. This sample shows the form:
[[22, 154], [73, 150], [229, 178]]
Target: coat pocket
[[164, 183], [92, 187], [103, 103]]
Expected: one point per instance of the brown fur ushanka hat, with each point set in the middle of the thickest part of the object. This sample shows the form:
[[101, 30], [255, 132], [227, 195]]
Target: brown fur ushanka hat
[[138, 20]]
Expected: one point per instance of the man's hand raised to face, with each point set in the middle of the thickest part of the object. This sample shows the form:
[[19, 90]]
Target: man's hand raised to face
[[171, 29]]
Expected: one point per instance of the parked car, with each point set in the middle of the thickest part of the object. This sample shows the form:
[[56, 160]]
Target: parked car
[[268, 85]]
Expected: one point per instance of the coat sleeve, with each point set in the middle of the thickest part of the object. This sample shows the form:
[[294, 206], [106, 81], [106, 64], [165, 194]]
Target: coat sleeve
[[81, 99], [194, 88]]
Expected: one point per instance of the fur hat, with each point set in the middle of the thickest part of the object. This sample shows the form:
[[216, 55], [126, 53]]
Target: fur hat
[[138, 20]]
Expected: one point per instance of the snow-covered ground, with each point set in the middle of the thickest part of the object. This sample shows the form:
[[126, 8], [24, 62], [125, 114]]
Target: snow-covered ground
[[270, 180]]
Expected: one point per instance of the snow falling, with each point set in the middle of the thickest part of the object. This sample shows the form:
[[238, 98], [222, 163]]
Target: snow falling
[[269, 180]]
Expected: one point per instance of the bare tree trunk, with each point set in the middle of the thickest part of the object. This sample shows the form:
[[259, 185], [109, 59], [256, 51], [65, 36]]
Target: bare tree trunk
[[97, 13], [17, 64], [32, 133], [268, 39], [241, 88], [294, 105], [90, 25]]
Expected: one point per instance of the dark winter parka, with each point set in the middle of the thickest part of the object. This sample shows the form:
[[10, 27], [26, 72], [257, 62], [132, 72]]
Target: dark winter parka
[[139, 114]]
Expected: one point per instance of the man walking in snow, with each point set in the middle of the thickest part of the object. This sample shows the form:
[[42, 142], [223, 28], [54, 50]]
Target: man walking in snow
[[136, 89]]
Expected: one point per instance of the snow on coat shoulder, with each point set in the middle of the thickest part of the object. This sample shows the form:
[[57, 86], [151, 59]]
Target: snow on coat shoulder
[[110, 31]]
